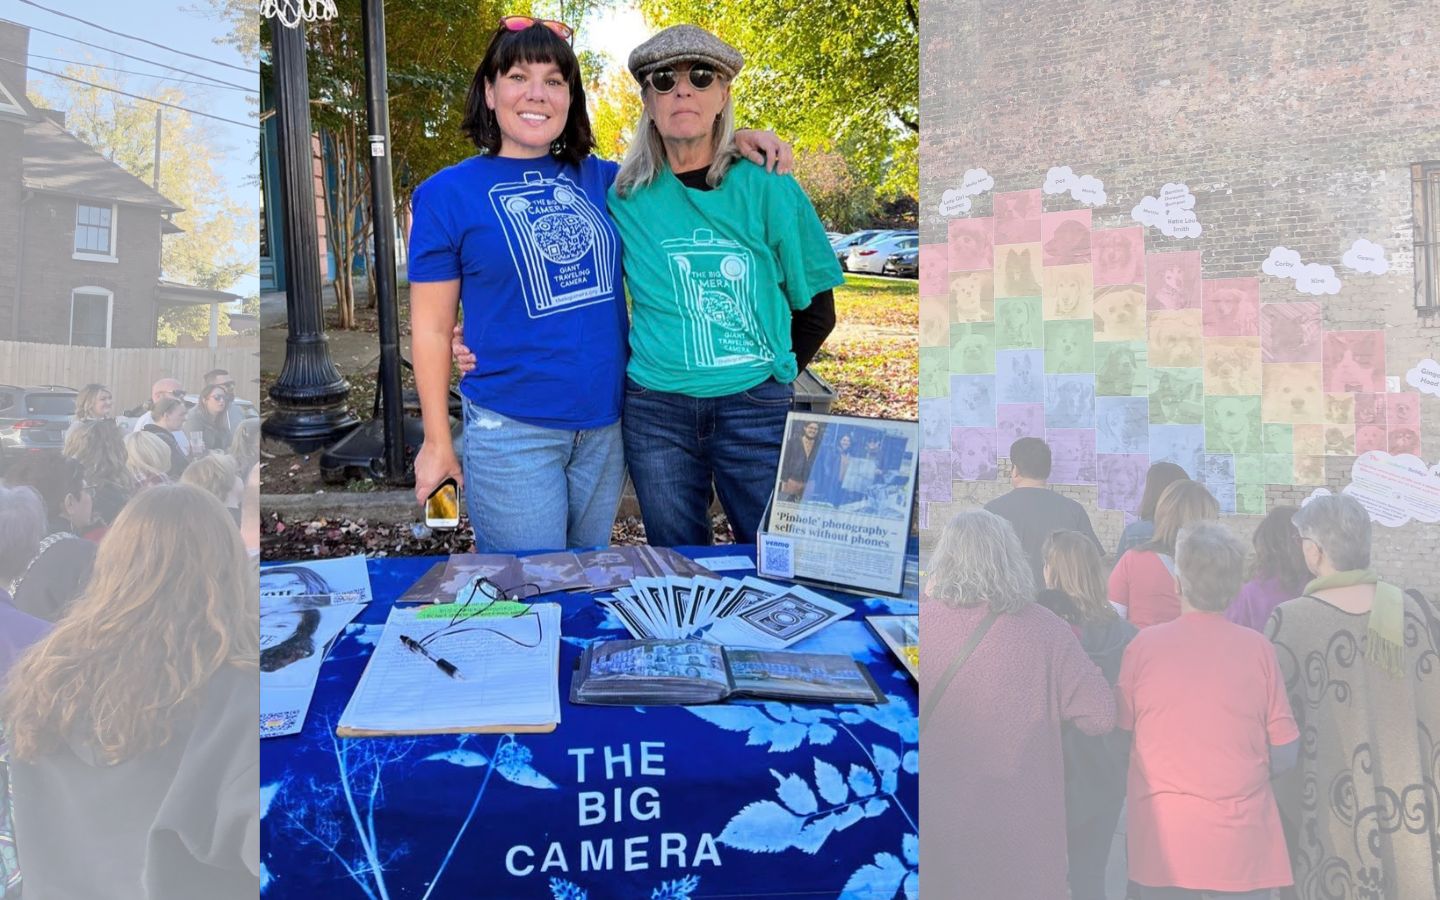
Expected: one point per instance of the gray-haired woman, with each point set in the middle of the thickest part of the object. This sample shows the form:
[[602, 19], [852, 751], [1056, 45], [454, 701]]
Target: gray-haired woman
[[1358, 658], [22, 524], [730, 274], [993, 824]]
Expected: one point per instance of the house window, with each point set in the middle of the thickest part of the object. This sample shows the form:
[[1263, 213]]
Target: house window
[[95, 232], [90, 316], [1425, 183]]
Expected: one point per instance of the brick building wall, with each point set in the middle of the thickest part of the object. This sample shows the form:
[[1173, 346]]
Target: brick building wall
[[50, 273], [1293, 124], [11, 191]]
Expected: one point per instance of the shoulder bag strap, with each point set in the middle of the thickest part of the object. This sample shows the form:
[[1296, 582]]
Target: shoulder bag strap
[[970, 644]]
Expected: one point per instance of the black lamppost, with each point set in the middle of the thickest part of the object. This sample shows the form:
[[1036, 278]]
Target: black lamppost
[[310, 393]]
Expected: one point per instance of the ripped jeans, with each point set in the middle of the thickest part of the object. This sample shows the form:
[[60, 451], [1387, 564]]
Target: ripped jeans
[[534, 488]]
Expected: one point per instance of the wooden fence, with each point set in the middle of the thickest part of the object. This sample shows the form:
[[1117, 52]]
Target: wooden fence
[[128, 372]]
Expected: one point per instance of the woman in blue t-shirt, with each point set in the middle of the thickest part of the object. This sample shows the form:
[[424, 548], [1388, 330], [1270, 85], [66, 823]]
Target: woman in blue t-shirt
[[520, 237]]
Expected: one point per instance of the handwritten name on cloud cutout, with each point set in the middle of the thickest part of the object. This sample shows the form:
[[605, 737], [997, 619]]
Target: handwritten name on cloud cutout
[[1086, 189], [1173, 212], [1366, 257], [956, 201], [1425, 377], [1310, 278]]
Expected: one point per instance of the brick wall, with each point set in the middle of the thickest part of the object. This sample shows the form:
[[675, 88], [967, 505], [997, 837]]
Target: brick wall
[[1294, 124], [50, 274], [11, 191]]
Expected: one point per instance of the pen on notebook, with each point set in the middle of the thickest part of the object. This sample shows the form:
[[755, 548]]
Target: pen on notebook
[[443, 665]]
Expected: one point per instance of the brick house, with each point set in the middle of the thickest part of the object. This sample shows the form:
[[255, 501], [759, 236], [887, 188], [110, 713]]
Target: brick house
[[80, 237], [1297, 125]]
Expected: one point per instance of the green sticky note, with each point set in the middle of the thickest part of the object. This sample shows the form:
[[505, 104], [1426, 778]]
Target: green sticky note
[[500, 609]]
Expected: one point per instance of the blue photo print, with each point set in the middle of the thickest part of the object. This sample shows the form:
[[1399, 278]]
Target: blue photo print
[[1069, 401], [1225, 493], [1020, 376], [1122, 424], [1184, 445], [1217, 468], [935, 423], [972, 401]]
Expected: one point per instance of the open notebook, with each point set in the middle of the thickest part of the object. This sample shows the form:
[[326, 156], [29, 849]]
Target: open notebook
[[508, 676]]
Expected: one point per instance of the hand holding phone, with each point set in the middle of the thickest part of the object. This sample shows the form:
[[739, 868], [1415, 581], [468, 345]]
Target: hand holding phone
[[442, 507]]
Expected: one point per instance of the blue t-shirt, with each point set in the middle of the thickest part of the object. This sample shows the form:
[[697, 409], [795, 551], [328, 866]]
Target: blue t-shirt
[[539, 266]]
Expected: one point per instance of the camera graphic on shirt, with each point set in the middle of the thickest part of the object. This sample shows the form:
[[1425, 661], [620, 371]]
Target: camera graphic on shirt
[[560, 244], [713, 282]]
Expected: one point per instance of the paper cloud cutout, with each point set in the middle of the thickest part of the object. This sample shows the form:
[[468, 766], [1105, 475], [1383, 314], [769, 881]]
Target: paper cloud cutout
[[1317, 279], [1395, 489], [1282, 263], [1425, 377], [956, 201], [953, 203], [1367, 257], [1173, 212], [1085, 189]]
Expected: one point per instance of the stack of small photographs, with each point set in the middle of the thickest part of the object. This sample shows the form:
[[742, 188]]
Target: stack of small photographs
[[748, 613], [545, 573]]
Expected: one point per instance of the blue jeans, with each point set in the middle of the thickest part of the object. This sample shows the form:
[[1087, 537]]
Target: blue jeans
[[675, 445], [534, 488]]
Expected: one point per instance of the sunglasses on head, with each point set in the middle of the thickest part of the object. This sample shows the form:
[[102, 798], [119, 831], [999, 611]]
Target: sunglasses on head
[[664, 79], [520, 23]]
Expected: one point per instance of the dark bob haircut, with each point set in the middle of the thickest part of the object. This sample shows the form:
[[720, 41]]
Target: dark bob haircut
[[536, 44]]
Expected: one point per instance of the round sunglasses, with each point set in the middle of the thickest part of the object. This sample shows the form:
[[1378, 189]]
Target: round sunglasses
[[664, 79], [520, 23]]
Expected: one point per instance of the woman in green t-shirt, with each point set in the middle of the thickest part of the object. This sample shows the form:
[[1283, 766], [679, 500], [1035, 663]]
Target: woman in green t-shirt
[[730, 272]]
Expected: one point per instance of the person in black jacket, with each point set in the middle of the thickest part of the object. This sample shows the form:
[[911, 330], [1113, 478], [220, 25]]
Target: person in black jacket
[[169, 416], [57, 572], [1095, 767], [133, 729]]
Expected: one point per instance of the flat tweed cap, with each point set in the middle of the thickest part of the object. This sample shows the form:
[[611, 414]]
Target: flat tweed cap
[[684, 43]]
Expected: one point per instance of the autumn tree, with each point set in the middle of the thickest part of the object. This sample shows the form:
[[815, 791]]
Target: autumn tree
[[217, 244], [842, 198]]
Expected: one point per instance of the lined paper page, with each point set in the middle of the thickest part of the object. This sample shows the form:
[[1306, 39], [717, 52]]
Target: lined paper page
[[502, 683]]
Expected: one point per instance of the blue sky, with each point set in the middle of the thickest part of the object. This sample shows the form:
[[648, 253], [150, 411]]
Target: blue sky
[[191, 27]]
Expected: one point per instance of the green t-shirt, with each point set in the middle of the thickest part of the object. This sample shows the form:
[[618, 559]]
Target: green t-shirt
[[713, 278]]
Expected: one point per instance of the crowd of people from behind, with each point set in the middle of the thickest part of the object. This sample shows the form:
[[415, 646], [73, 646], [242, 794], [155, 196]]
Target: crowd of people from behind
[[128, 653], [1263, 715]]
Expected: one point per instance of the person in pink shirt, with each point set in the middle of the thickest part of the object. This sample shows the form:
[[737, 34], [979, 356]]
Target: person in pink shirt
[[1142, 584], [1277, 573], [992, 821], [1206, 702]]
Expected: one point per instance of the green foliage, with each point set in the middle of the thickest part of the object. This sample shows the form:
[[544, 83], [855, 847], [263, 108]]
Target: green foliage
[[614, 109], [824, 75], [176, 322], [243, 17], [843, 199]]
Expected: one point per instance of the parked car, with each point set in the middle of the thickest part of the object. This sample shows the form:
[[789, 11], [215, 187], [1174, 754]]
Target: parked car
[[33, 419], [871, 257], [905, 264], [833, 236], [842, 246]]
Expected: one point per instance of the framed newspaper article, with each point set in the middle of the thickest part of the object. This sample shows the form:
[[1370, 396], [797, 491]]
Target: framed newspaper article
[[839, 515]]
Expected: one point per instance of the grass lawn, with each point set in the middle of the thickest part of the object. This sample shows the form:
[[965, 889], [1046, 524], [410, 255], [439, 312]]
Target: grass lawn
[[872, 358]]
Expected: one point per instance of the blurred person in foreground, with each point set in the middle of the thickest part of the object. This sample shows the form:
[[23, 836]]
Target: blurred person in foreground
[[1277, 571], [60, 565], [1032, 509], [148, 459], [216, 474], [1094, 765], [133, 727], [993, 818], [1158, 477], [245, 446], [1143, 584], [1359, 659], [1206, 702], [100, 448]]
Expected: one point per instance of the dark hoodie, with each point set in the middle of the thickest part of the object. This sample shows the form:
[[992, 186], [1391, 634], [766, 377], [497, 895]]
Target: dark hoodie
[[1095, 767]]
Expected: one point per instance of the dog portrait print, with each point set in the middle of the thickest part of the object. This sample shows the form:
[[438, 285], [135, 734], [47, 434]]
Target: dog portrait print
[[972, 401], [1232, 365], [1176, 397], [1072, 455], [1122, 425], [1065, 237], [1119, 313], [1020, 376], [934, 322], [1404, 439], [1371, 437], [935, 422], [1232, 424], [974, 454], [1355, 361], [1017, 217], [1172, 280], [1069, 401], [1340, 409], [1231, 307], [1069, 346], [1118, 255], [1402, 408], [1290, 332], [1017, 270], [1339, 440], [1309, 468], [1175, 339], [934, 372], [1120, 369], [1122, 480], [1018, 324], [1183, 445], [935, 474], [1014, 421], [1067, 292], [972, 349], [972, 297], [969, 244], [1370, 409], [1292, 394]]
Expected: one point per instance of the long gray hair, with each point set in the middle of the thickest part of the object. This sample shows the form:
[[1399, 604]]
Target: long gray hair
[[647, 149], [979, 560]]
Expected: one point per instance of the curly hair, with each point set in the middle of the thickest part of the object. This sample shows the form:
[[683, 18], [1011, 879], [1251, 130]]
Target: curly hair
[[172, 599], [978, 559], [98, 446]]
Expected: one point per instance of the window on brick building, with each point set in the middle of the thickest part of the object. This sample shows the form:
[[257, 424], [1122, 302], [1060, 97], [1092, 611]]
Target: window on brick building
[[94, 232], [1425, 183], [90, 316]]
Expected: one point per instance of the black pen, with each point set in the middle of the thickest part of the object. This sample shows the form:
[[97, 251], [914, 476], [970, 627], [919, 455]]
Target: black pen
[[442, 664]]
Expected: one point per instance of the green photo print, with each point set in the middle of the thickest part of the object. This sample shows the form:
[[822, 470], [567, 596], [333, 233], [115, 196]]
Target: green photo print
[[1070, 346], [1232, 424], [1277, 438], [934, 372], [1176, 397], [1018, 325], [1249, 468], [1250, 499], [972, 348], [1279, 468], [1120, 369]]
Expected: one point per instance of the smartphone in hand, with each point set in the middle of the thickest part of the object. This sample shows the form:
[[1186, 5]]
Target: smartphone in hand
[[442, 507]]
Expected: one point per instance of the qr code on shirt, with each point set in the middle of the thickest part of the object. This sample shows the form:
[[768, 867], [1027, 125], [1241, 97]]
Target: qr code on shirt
[[777, 557], [273, 724]]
